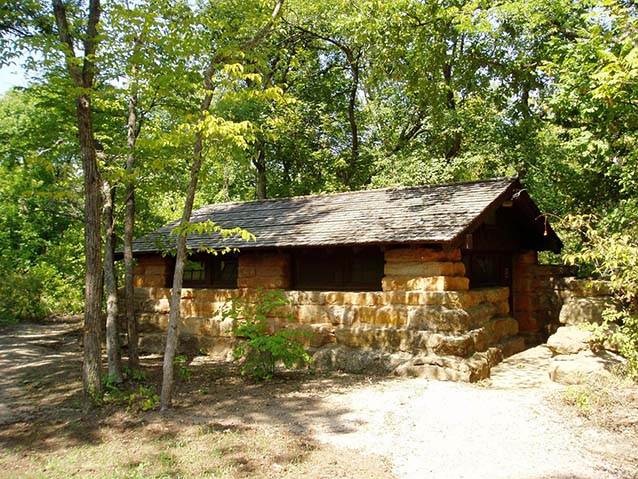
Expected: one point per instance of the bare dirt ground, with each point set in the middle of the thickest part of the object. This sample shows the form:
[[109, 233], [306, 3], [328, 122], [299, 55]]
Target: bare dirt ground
[[516, 425]]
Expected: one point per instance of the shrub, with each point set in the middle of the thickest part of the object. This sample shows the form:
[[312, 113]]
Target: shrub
[[613, 256], [260, 348], [21, 297]]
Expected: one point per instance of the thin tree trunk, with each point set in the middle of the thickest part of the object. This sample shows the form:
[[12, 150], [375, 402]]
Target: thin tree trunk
[[172, 333], [455, 148], [352, 120], [129, 227], [260, 165], [113, 351]]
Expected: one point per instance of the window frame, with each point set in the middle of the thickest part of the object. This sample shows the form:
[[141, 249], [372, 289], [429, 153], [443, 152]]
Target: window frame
[[211, 265], [338, 262]]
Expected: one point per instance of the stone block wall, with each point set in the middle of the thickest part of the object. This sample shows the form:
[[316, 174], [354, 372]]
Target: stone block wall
[[425, 320], [424, 269], [537, 296], [153, 272], [585, 301]]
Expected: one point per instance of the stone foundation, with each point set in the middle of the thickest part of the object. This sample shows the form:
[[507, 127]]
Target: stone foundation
[[430, 325], [425, 321]]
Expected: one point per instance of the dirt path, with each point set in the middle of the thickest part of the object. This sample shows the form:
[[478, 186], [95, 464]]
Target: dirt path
[[505, 428]]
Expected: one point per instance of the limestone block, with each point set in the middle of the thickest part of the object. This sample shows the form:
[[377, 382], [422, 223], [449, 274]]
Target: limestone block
[[493, 356], [397, 297], [205, 309], [191, 325], [438, 319], [569, 340], [482, 338], [272, 270], [162, 305], [344, 315], [585, 366], [152, 343], [382, 339], [504, 327], [481, 313], [425, 269], [307, 313], [444, 345], [210, 327], [401, 255], [447, 298], [357, 361], [156, 292], [512, 345], [502, 308], [306, 297], [219, 348], [467, 299], [434, 283], [150, 322], [496, 295], [586, 310], [314, 335], [211, 295], [395, 316], [263, 283], [446, 368], [361, 298]]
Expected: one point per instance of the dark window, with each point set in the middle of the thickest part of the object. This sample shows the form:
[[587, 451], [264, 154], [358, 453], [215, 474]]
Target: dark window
[[338, 269], [488, 269], [194, 272], [211, 271]]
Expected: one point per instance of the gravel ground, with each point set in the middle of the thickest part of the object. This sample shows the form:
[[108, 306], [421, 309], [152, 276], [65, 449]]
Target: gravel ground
[[507, 428]]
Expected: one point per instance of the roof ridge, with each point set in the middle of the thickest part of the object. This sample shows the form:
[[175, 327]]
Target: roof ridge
[[342, 193]]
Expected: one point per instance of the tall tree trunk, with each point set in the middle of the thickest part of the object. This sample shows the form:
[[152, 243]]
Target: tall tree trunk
[[82, 77], [260, 165], [92, 364], [129, 227], [113, 351]]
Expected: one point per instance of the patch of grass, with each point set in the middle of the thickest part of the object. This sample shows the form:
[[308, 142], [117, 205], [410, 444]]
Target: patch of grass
[[611, 403]]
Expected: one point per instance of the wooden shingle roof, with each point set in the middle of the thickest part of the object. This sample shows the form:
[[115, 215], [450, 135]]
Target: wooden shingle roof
[[423, 214]]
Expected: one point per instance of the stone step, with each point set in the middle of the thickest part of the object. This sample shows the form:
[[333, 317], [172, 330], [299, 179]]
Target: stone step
[[511, 345], [447, 368]]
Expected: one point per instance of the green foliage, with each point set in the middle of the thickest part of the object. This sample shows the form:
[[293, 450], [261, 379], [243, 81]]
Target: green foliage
[[21, 297], [181, 363], [142, 398], [261, 348], [613, 256]]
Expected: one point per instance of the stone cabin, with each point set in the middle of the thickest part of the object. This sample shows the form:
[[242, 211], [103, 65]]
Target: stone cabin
[[441, 280]]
